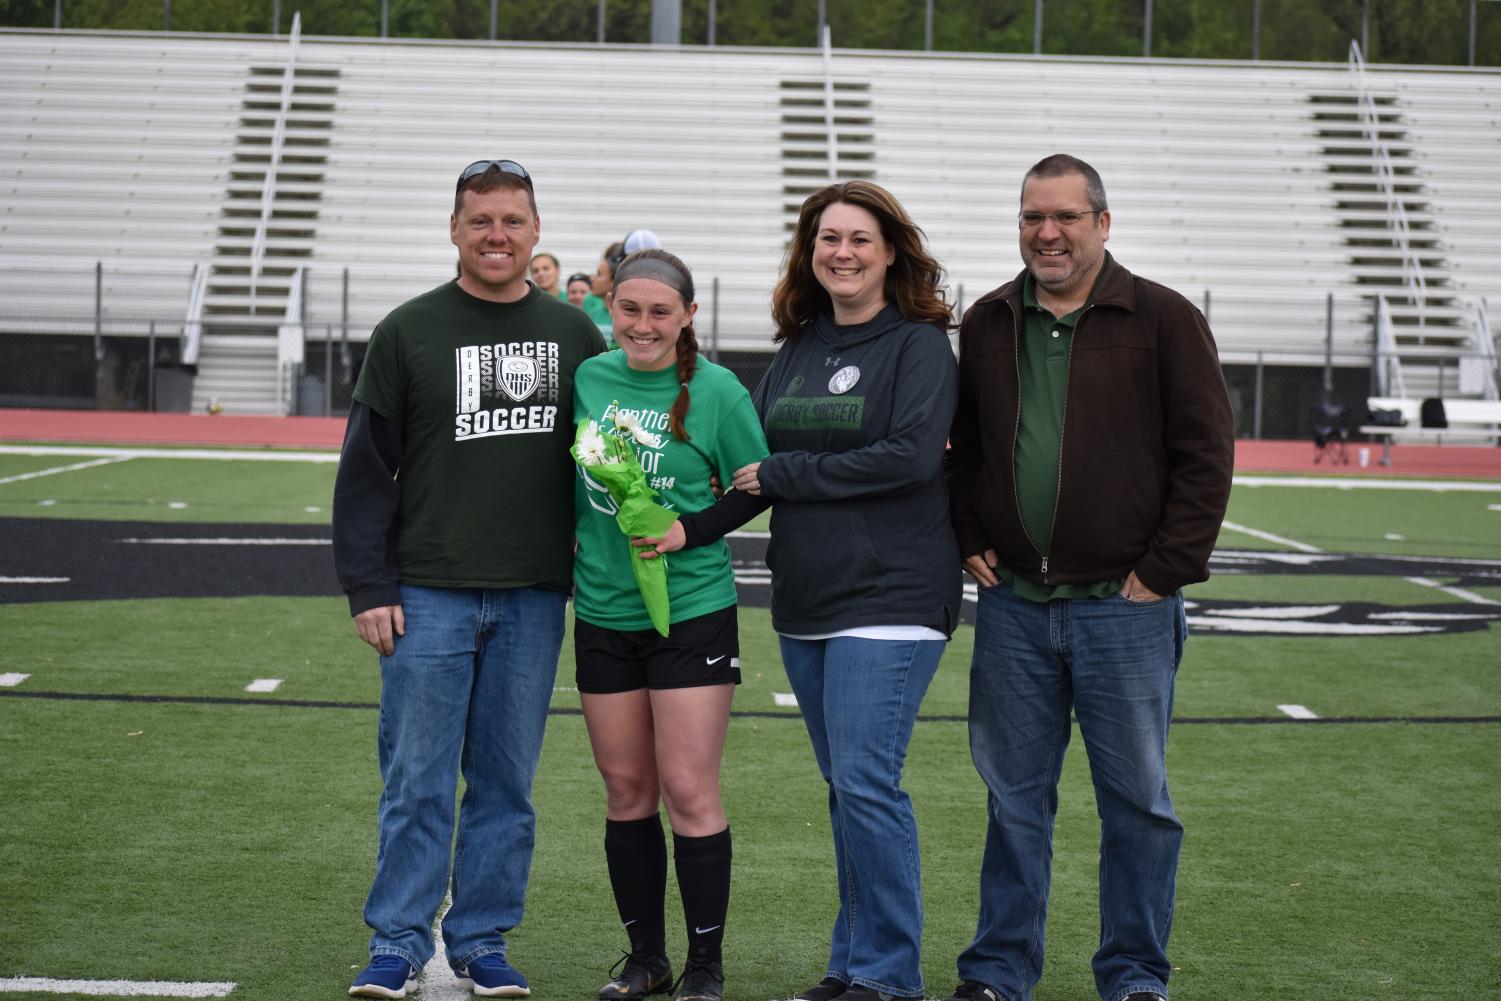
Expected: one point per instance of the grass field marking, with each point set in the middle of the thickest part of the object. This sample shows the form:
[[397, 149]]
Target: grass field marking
[[1257, 533], [12, 679], [221, 540], [223, 455], [117, 988], [1493, 507], [35, 474], [264, 685], [438, 981], [1298, 712], [1350, 483], [784, 698], [1458, 592], [34, 580]]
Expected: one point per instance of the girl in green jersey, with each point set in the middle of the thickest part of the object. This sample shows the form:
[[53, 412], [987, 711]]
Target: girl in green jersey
[[657, 707]]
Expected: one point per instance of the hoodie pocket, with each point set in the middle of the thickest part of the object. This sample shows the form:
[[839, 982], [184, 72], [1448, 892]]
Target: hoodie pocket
[[821, 555]]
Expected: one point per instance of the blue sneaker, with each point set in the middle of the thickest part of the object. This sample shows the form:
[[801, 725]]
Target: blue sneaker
[[490, 976], [387, 976]]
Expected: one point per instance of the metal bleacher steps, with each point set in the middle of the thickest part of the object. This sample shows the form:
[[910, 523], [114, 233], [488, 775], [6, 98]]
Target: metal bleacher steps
[[1242, 185]]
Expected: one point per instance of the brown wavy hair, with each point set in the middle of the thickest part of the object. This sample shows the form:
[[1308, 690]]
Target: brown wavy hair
[[687, 346], [914, 282]]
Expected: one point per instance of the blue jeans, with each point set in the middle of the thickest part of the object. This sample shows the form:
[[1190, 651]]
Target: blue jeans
[[467, 688], [859, 700], [1114, 662]]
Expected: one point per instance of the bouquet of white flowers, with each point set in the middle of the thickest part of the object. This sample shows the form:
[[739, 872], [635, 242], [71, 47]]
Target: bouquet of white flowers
[[607, 457]]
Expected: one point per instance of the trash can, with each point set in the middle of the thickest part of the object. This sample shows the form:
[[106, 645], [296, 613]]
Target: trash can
[[173, 389], [310, 395]]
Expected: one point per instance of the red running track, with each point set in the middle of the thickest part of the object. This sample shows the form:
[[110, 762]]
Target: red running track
[[135, 428]]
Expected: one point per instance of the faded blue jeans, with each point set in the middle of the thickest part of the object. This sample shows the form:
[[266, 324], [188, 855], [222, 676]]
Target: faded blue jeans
[[467, 688], [859, 700], [1113, 662]]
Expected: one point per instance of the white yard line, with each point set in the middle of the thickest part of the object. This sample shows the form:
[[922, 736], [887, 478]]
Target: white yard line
[[65, 469], [117, 988], [264, 685], [12, 679], [1257, 533], [230, 455], [34, 580], [784, 698], [1368, 483], [1298, 712], [1458, 592]]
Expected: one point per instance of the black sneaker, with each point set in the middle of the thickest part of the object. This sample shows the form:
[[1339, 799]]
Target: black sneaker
[[701, 981], [826, 989], [862, 993], [640, 974], [973, 990]]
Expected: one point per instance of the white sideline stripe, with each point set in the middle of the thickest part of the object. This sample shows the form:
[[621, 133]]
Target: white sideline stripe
[[232, 455], [1269, 537], [1351, 483], [1458, 592], [1299, 712], [264, 685], [12, 680], [34, 580], [437, 981], [752, 534], [1493, 507], [226, 541], [784, 698], [117, 988], [63, 469]]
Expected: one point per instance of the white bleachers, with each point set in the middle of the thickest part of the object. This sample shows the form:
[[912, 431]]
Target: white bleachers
[[118, 147]]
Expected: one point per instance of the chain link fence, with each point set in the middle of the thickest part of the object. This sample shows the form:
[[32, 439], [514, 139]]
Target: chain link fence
[[1436, 32], [135, 365]]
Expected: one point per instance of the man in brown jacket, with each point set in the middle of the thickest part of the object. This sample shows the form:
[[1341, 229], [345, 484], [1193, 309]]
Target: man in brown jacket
[[1090, 468]]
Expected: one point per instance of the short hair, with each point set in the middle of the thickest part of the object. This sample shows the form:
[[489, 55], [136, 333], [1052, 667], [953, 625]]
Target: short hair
[[1061, 165], [914, 282], [550, 257], [489, 181]]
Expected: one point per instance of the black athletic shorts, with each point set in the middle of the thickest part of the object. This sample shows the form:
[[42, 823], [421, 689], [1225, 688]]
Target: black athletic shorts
[[694, 653]]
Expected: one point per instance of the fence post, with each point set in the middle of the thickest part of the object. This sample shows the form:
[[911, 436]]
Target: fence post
[[1255, 30], [1206, 305], [151, 366], [927, 27], [166, 15], [98, 328], [959, 306], [328, 369], [1260, 376], [601, 22], [385, 17], [1329, 347], [1037, 27], [275, 17], [1146, 33], [714, 323], [494, 17], [344, 327], [57, 15], [713, 17], [1472, 33]]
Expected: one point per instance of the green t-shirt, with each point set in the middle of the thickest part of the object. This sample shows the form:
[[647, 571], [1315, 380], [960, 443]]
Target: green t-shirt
[[724, 434], [483, 392], [1043, 360]]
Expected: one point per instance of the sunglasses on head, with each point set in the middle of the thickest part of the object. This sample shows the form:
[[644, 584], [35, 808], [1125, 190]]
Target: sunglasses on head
[[479, 167]]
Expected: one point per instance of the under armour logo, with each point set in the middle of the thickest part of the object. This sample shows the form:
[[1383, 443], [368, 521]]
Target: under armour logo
[[831, 362]]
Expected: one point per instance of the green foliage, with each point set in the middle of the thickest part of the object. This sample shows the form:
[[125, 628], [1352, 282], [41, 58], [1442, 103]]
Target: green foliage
[[1430, 32]]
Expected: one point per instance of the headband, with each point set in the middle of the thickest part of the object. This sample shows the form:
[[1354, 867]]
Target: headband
[[657, 270]]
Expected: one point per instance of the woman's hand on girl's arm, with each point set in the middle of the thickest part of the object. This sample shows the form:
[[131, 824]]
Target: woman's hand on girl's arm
[[650, 549]]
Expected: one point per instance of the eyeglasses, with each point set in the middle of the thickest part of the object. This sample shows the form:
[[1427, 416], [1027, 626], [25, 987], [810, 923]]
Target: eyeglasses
[[1032, 220], [479, 167]]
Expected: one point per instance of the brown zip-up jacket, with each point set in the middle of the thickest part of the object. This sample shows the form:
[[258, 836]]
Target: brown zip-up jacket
[[1148, 444]]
